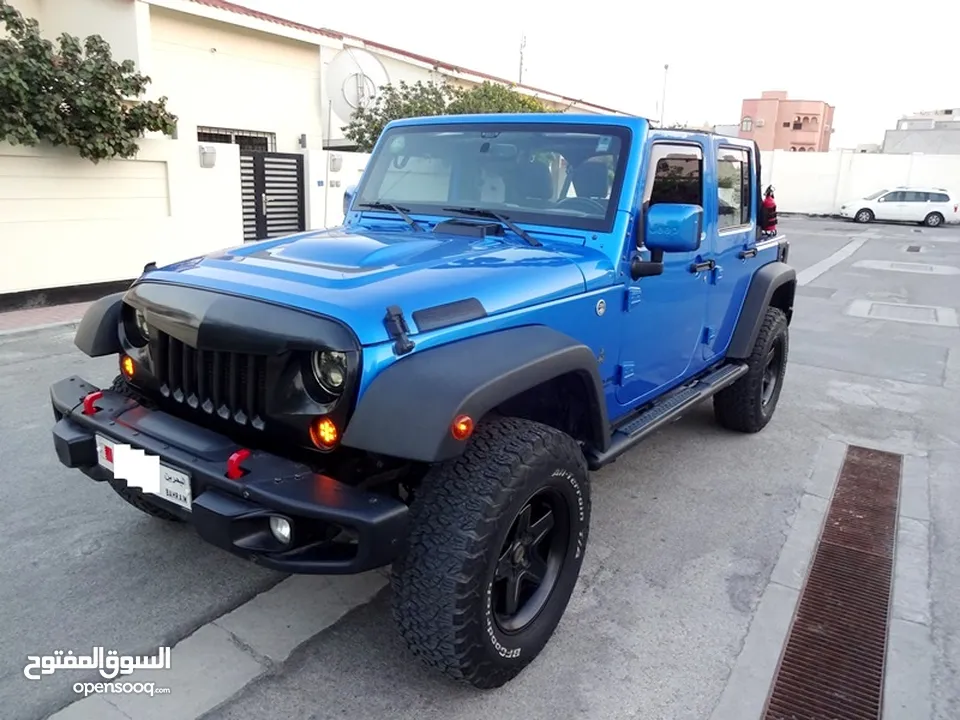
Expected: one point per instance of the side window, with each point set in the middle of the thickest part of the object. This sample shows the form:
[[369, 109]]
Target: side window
[[915, 197], [675, 175], [939, 197], [733, 187], [893, 197]]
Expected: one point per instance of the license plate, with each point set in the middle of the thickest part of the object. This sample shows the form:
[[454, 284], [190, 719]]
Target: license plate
[[145, 472]]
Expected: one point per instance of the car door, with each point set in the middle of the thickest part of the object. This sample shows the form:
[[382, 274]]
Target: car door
[[890, 206], [915, 206], [732, 220], [665, 313]]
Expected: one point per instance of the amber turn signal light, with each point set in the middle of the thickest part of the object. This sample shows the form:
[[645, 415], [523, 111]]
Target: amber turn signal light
[[324, 433], [127, 367], [462, 427]]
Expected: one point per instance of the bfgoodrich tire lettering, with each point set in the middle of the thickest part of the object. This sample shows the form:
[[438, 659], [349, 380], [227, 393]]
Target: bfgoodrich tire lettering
[[469, 541], [748, 405]]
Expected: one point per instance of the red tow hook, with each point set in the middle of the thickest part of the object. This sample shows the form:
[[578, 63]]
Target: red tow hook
[[88, 402], [234, 471]]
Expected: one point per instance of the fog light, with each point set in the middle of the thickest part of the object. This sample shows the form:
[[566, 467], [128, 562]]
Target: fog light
[[281, 528]]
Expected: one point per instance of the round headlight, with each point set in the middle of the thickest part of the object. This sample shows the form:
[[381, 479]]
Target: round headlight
[[142, 326], [330, 370]]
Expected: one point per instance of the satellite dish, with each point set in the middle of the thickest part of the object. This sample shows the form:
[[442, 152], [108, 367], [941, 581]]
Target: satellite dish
[[354, 78]]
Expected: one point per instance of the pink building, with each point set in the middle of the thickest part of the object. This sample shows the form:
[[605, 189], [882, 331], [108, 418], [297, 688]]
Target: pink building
[[777, 123]]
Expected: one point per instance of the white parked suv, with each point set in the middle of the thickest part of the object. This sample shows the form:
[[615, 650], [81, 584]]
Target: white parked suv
[[927, 205]]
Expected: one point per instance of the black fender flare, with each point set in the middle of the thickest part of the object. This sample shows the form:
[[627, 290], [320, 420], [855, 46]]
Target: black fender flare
[[773, 284], [99, 331], [408, 409]]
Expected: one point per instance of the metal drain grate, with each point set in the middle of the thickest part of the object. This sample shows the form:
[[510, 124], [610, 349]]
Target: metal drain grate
[[832, 666], [913, 248]]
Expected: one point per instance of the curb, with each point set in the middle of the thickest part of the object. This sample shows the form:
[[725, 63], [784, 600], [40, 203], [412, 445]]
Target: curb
[[37, 328]]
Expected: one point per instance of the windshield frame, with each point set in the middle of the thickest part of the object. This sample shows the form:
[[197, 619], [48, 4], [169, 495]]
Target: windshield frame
[[553, 220]]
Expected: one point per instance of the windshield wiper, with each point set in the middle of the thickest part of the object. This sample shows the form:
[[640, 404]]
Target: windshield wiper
[[480, 212], [401, 211]]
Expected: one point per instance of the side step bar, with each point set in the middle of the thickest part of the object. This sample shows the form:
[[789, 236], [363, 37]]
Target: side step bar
[[652, 417]]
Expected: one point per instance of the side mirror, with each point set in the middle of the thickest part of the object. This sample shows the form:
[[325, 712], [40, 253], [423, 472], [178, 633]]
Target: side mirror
[[673, 228], [348, 198]]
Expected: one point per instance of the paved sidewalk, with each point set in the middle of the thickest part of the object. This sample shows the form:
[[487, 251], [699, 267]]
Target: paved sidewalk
[[34, 318]]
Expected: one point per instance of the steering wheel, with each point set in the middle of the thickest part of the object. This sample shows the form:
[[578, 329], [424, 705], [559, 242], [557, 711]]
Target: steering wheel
[[589, 205]]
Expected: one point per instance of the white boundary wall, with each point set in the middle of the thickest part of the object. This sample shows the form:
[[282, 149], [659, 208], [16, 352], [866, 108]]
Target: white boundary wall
[[67, 221], [325, 185], [819, 183]]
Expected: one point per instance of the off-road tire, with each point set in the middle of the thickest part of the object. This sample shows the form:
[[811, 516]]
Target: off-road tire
[[863, 215], [934, 219], [459, 522], [741, 407], [133, 496]]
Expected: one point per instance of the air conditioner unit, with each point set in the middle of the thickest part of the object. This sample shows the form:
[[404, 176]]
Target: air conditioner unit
[[760, 123]]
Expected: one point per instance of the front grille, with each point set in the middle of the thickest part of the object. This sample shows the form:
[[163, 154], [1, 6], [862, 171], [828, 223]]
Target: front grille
[[229, 385]]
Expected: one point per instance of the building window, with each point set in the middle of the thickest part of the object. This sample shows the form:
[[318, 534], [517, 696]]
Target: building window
[[746, 124], [733, 188], [787, 124], [249, 140], [803, 149], [793, 149]]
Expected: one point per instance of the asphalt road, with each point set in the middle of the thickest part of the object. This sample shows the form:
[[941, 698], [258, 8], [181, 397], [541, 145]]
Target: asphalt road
[[686, 529], [80, 567]]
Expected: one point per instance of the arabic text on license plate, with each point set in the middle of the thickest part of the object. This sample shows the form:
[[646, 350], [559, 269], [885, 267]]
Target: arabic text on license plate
[[175, 486]]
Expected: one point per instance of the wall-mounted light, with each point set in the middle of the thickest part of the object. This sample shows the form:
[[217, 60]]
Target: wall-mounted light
[[303, 141], [208, 155]]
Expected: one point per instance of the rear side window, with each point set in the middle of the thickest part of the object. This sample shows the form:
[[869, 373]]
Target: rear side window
[[675, 175], [733, 187], [939, 197]]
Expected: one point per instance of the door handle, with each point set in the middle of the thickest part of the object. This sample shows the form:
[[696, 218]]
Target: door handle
[[748, 253], [701, 266]]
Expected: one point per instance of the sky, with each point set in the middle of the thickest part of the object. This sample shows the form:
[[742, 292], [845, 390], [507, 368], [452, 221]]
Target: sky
[[873, 62]]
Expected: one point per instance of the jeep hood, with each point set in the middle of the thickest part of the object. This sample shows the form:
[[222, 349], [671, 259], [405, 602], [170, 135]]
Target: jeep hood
[[355, 275]]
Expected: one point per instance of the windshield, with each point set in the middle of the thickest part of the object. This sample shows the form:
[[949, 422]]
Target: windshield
[[874, 196], [564, 175]]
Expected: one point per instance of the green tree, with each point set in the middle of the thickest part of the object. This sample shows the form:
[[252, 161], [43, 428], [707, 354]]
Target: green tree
[[429, 99], [72, 93]]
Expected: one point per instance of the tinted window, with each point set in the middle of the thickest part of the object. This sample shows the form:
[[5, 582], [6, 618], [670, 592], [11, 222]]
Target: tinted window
[[893, 197], [560, 174], [915, 197], [675, 175], [939, 197], [733, 187]]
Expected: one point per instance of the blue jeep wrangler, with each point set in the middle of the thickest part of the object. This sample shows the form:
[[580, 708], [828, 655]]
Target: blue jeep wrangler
[[511, 302]]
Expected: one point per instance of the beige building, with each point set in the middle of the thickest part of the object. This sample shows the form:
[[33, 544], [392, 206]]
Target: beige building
[[261, 102], [776, 122]]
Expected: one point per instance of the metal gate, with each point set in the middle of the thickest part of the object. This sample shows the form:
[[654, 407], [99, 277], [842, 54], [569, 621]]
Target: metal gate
[[273, 194]]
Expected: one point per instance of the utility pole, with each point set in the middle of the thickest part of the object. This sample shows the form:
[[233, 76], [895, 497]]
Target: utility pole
[[663, 99], [523, 44]]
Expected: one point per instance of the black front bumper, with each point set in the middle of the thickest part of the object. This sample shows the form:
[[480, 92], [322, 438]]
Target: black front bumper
[[234, 514]]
